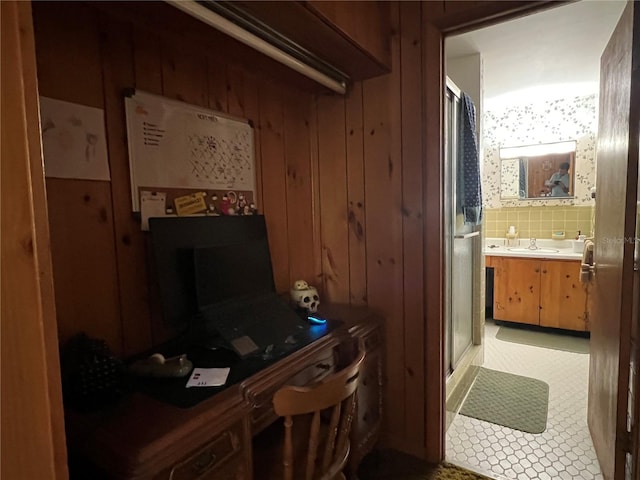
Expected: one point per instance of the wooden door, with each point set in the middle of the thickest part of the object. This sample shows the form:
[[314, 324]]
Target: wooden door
[[563, 299], [516, 290], [612, 290]]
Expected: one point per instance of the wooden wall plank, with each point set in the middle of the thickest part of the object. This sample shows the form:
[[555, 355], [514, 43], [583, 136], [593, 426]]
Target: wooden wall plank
[[243, 101], [384, 232], [333, 198], [147, 60], [68, 54], [355, 197], [147, 67], [274, 180], [412, 233], [299, 189], [184, 73], [394, 244], [236, 90], [147, 56], [219, 86], [84, 260], [81, 217], [118, 74], [251, 111], [314, 160]]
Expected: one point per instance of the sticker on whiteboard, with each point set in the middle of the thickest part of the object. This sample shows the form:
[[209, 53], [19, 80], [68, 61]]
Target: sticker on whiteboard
[[190, 204]]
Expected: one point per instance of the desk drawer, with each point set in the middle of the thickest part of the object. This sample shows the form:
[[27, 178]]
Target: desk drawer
[[235, 469], [318, 368], [210, 460]]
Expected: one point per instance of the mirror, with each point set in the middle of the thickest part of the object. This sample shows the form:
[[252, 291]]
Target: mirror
[[540, 171]]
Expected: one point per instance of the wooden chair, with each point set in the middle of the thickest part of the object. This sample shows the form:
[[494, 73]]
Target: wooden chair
[[335, 395]]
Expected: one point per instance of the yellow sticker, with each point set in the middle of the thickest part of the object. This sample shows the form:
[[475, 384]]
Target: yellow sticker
[[190, 204]]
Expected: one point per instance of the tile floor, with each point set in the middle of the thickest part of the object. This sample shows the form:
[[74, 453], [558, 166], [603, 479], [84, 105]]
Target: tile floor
[[563, 451]]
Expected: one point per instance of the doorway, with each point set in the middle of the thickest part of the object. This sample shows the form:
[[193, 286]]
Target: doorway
[[495, 450]]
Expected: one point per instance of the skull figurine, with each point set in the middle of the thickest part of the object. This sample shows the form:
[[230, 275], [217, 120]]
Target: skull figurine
[[305, 296], [300, 285]]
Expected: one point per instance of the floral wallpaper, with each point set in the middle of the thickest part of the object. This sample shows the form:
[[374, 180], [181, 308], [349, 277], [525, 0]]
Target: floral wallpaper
[[543, 122], [509, 178]]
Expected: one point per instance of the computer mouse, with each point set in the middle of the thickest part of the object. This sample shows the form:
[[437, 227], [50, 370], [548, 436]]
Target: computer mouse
[[315, 320]]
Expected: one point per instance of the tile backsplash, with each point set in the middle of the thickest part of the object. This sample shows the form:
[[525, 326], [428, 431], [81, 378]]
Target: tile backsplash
[[539, 222]]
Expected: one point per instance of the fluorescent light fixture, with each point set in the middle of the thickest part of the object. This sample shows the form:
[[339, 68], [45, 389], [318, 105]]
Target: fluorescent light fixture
[[538, 150], [229, 28]]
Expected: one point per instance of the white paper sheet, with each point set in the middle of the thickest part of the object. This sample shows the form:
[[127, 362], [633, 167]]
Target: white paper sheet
[[152, 204], [73, 140], [208, 377]]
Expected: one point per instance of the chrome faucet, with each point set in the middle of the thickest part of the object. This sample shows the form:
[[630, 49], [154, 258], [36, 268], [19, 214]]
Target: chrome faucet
[[532, 244]]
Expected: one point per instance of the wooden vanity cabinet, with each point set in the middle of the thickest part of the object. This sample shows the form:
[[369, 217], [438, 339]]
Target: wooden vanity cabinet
[[563, 298], [540, 292], [516, 290]]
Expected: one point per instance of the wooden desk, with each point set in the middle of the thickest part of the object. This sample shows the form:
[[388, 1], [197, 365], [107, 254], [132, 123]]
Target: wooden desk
[[143, 438]]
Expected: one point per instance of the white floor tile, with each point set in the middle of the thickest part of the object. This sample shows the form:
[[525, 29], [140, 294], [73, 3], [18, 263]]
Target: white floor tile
[[563, 451]]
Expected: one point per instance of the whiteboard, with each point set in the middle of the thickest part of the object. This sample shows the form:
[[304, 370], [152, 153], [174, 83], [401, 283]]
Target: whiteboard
[[176, 145]]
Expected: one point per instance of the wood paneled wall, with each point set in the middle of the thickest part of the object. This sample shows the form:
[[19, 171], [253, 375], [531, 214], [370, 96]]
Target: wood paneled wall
[[340, 181], [88, 55], [371, 202]]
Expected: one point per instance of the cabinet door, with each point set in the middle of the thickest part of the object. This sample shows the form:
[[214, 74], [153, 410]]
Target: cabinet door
[[563, 299], [489, 260], [516, 290]]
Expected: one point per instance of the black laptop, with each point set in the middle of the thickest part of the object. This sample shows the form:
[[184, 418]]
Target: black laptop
[[237, 299]]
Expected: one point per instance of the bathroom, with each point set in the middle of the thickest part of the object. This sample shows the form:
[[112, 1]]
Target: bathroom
[[562, 109]]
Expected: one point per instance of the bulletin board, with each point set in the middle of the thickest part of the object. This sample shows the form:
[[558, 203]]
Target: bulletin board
[[176, 149]]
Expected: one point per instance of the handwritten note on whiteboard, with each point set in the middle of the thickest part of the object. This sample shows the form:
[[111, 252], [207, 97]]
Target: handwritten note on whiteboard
[[176, 145]]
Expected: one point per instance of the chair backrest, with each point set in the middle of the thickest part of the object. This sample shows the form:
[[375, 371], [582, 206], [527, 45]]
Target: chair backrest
[[335, 394]]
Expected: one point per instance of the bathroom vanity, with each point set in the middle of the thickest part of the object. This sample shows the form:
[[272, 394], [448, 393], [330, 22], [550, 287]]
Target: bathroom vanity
[[538, 286]]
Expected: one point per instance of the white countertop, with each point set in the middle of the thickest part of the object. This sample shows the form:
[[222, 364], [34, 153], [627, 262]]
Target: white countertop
[[497, 247]]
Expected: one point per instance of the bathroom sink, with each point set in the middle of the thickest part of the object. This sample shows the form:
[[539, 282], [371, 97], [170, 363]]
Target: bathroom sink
[[534, 250]]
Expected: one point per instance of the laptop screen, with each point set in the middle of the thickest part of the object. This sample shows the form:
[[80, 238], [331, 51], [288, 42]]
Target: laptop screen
[[173, 240], [228, 272]]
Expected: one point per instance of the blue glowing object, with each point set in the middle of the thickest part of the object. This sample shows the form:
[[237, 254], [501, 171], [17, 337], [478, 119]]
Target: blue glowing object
[[316, 320]]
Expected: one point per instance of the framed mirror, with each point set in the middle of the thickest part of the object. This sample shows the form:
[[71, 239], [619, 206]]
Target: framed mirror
[[542, 171]]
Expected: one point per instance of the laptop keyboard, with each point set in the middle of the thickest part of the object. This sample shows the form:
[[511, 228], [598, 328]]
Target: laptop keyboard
[[266, 320]]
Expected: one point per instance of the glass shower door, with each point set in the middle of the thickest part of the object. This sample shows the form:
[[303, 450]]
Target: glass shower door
[[459, 249]]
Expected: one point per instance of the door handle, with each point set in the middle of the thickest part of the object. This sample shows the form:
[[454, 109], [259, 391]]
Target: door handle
[[467, 235]]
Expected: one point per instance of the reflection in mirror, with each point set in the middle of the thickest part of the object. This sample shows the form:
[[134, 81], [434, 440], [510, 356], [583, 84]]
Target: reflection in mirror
[[538, 171]]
